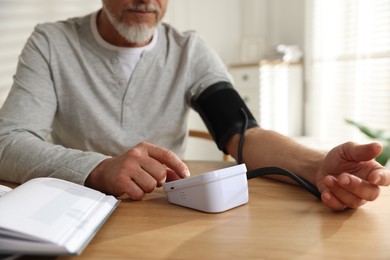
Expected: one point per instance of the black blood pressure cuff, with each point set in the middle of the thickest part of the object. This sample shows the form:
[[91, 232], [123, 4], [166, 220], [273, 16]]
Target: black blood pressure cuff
[[220, 108]]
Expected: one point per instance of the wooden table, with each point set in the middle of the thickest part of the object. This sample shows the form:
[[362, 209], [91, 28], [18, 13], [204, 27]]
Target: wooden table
[[280, 221]]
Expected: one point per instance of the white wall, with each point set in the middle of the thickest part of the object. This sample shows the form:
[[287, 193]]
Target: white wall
[[286, 22], [217, 22], [223, 24]]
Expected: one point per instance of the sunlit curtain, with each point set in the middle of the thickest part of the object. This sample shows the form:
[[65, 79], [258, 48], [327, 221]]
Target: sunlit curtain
[[348, 66]]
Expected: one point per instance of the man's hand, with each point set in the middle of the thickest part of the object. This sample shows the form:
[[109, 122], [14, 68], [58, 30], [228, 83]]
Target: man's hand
[[137, 172], [349, 176]]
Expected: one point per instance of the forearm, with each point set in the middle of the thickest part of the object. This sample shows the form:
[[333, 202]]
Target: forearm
[[264, 148], [23, 156]]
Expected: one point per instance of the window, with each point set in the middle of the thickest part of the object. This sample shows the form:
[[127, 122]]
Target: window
[[348, 67], [17, 21]]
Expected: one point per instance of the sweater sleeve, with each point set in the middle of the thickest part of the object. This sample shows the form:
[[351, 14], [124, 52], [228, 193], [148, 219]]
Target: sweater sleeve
[[26, 119]]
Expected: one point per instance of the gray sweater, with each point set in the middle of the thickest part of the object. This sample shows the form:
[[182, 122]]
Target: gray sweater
[[69, 87]]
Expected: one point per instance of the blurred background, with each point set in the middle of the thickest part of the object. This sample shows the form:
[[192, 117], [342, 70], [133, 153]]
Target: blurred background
[[302, 66]]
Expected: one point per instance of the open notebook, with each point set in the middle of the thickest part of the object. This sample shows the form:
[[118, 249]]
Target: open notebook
[[49, 216]]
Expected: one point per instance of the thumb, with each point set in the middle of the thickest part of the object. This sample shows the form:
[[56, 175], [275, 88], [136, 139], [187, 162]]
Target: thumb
[[361, 152], [172, 175]]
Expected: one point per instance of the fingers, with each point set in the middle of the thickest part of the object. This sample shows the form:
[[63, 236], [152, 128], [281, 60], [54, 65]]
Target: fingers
[[144, 167], [154, 160], [358, 187], [380, 177], [170, 159], [332, 202], [359, 160], [171, 175], [132, 190], [144, 170], [348, 191], [137, 172]]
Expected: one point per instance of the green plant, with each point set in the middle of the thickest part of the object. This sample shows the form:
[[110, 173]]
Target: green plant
[[379, 135]]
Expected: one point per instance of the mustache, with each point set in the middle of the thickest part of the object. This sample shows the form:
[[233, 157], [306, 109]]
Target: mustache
[[142, 7]]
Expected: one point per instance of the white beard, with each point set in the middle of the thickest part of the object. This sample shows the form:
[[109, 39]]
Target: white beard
[[134, 34]]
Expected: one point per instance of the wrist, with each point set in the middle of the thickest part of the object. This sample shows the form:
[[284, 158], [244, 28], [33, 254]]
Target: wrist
[[315, 168], [92, 180]]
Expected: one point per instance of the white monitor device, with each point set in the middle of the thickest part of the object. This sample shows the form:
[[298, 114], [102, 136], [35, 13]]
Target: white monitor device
[[211, 192]]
